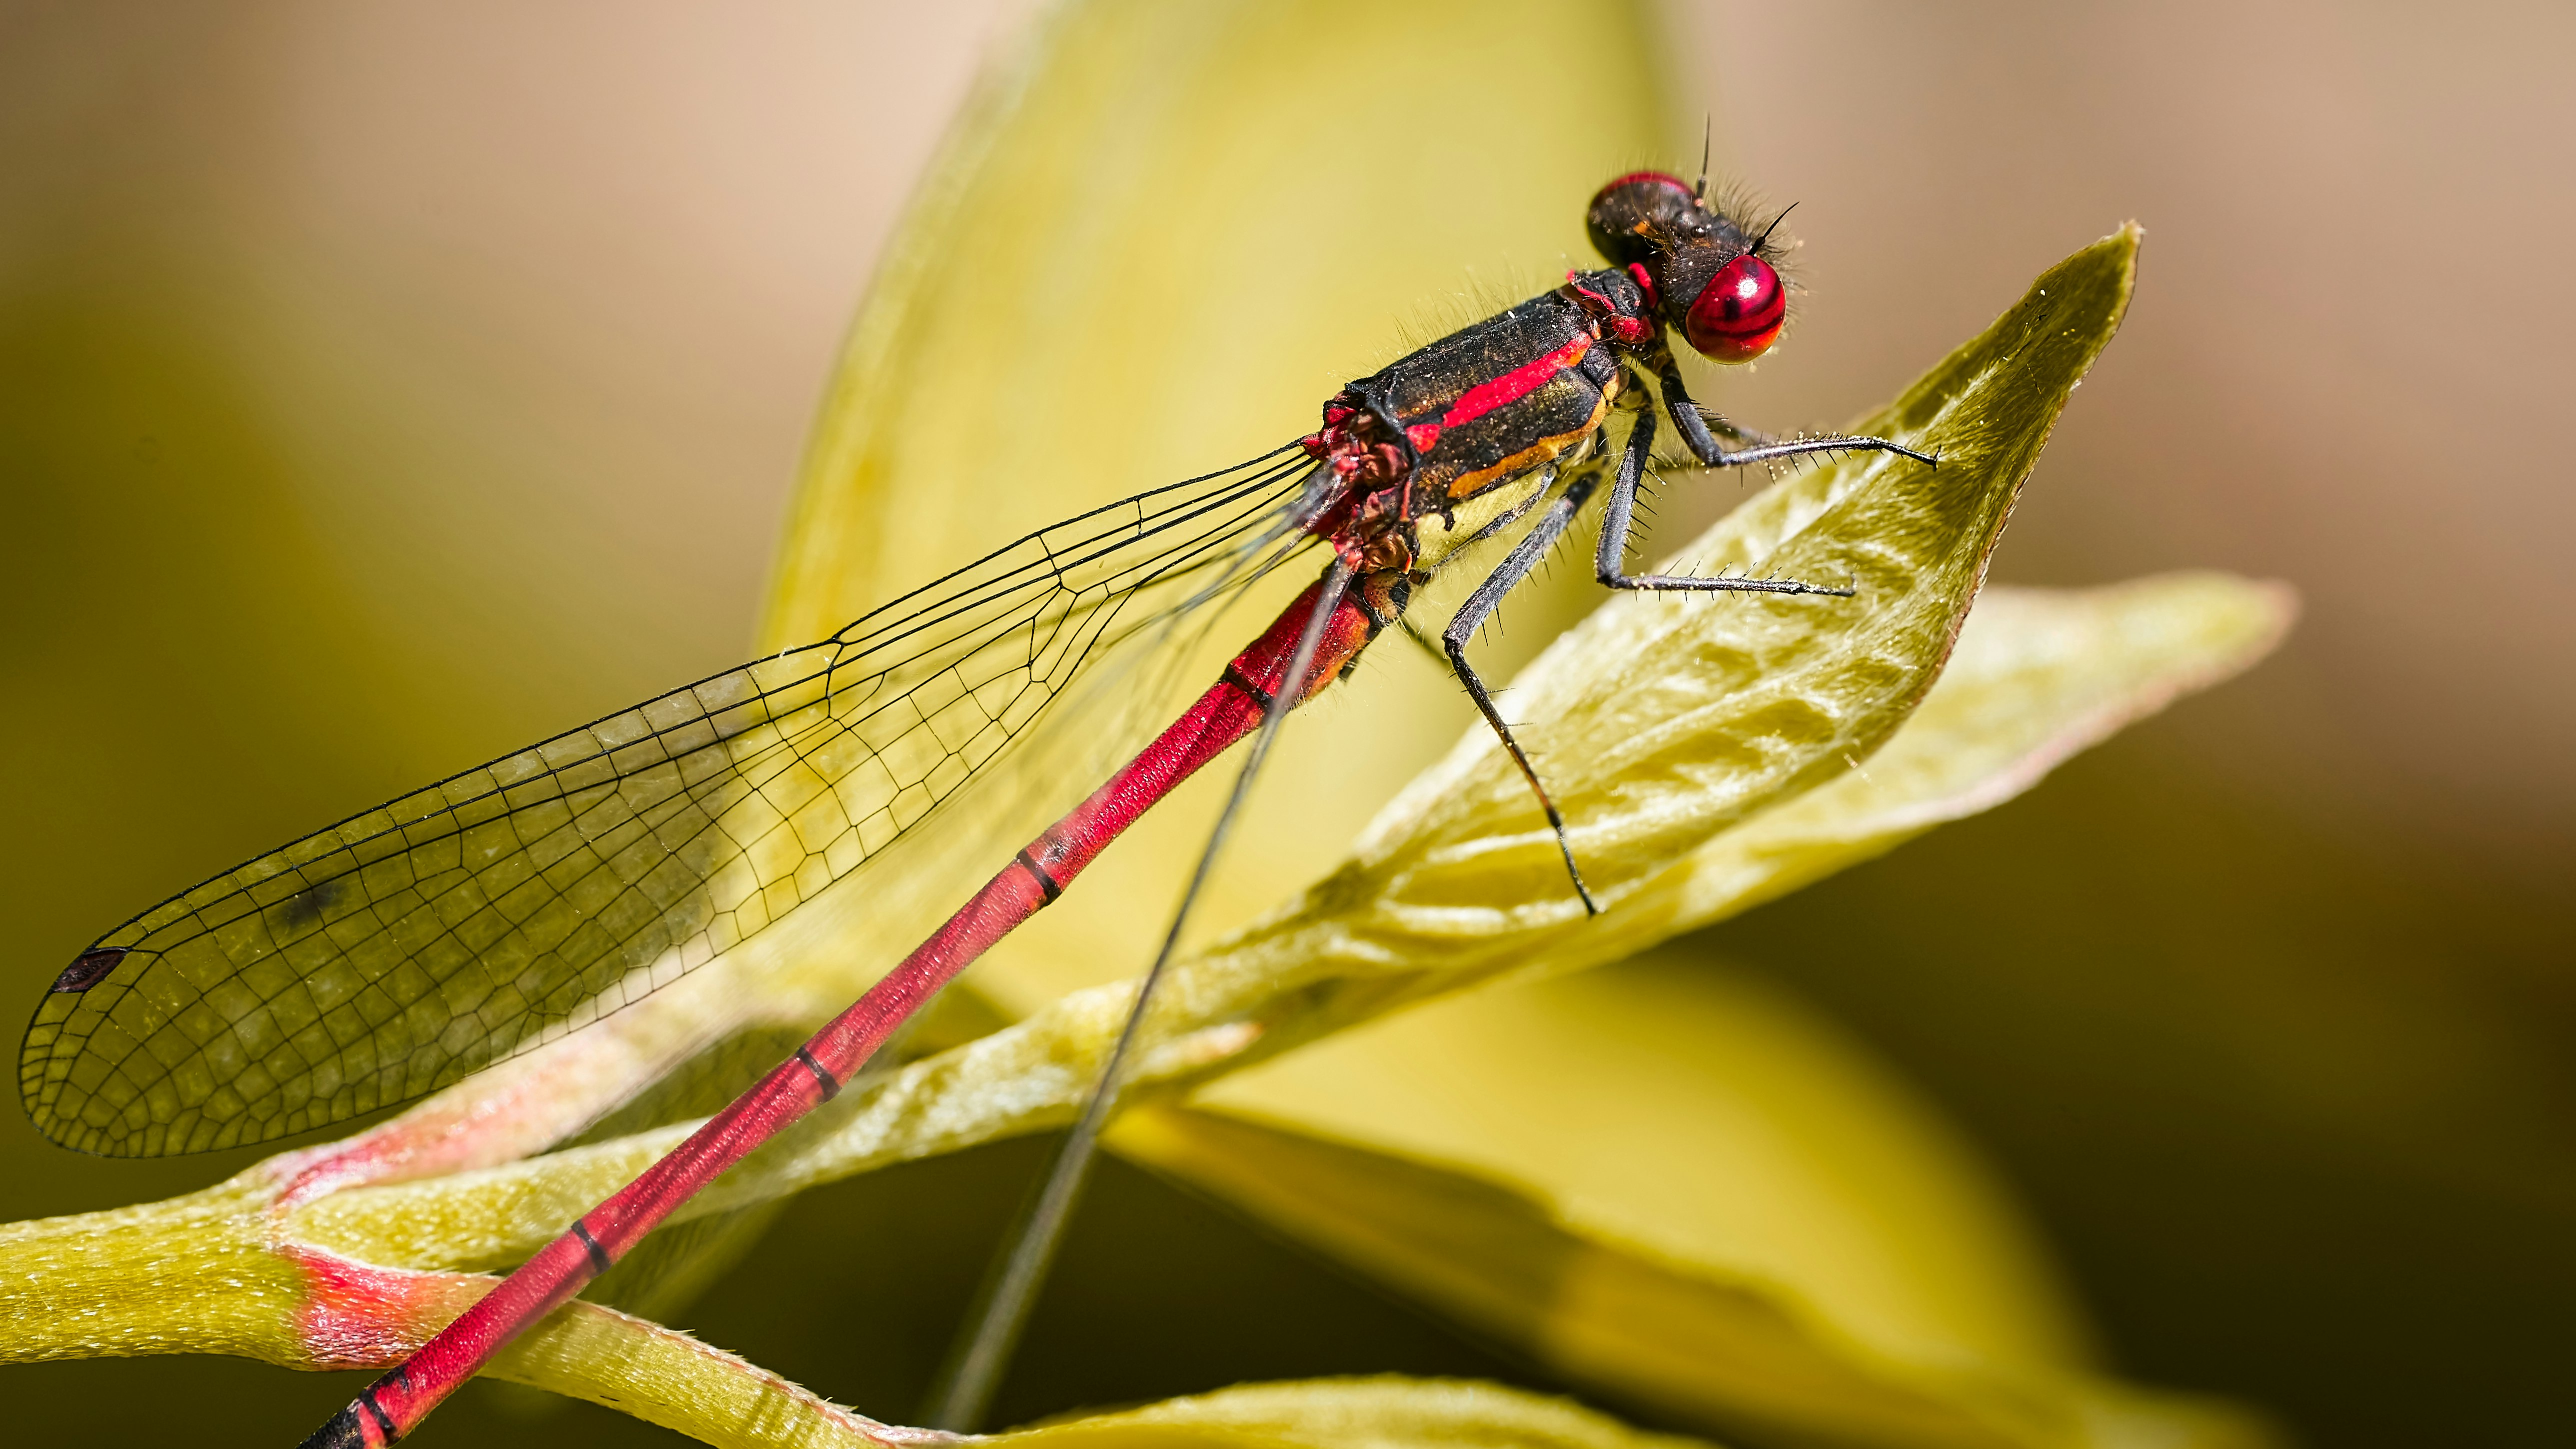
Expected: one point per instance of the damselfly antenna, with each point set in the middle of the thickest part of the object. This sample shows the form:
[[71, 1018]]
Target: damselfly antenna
[[1699, 191], [1763, 240]]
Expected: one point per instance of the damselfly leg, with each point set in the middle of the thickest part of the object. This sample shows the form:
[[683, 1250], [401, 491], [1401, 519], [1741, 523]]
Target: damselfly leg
[[973, 1374]]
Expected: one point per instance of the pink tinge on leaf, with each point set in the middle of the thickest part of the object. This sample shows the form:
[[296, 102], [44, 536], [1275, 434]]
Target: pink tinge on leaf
[[505, 1112], [358, 1315]]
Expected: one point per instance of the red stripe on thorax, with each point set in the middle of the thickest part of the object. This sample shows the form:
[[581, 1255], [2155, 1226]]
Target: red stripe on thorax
[[1514, 385]]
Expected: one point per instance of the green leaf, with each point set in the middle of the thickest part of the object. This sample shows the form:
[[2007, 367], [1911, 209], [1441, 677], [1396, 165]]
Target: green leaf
[[2039, 675], [201, 1274], [1369, 1413]]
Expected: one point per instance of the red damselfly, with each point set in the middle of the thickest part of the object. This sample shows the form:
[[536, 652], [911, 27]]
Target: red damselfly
[[406, 948]]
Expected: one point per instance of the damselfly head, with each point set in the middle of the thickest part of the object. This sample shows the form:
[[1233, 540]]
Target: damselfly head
[[1711, 278]]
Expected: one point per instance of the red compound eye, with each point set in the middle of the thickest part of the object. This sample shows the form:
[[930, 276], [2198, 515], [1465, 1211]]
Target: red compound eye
[[1739, 312]]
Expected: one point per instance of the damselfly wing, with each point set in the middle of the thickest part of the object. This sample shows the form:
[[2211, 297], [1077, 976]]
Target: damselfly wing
[[405, 948]]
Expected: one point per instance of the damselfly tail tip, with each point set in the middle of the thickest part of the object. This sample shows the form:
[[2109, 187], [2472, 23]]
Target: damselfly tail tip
[[343, 1432]]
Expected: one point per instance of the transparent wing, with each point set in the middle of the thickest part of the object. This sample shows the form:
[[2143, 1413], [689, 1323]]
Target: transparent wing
[[405, 948]]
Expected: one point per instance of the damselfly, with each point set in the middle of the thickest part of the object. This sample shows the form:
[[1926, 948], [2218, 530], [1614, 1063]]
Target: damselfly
[[403, 949]]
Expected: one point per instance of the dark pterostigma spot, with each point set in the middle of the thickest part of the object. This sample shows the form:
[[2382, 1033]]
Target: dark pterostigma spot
[[305, 907], [90, 969]]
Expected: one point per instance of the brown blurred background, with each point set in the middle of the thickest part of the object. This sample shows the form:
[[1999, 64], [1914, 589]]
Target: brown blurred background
[[392, 385]]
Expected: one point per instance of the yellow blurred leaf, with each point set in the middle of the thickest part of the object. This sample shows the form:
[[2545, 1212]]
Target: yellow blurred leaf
[[1705, 1119], [1682, 1192], [1686, 1342], [1161, 236]]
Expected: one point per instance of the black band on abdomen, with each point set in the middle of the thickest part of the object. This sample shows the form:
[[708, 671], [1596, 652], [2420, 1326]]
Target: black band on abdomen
[[600, 1262], [830, 1084], [1037, 872], [1251, 691], [376, 1411]]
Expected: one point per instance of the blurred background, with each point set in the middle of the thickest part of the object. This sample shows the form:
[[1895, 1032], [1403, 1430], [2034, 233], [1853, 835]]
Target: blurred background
[[383, 388]]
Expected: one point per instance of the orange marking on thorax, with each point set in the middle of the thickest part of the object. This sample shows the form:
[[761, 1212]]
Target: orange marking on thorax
[[1468, 485]]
